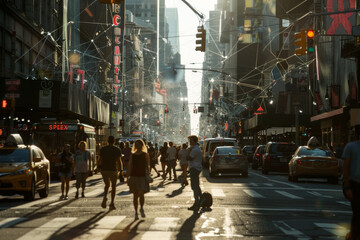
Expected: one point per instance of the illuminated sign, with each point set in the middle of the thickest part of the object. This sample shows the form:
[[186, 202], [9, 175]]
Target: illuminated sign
[[56, 127]]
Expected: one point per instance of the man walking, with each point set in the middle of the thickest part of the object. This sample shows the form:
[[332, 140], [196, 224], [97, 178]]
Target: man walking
[[171, 161], [110, 166], [195, 157], [351, 182]]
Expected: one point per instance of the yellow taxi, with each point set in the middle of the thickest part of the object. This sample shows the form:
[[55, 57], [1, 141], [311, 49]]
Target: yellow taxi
[[24, 169], [314, 162]]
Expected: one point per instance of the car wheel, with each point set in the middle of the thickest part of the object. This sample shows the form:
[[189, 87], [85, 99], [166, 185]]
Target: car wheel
[[333, 180], [43, 193], [255, 166], [30, 195]]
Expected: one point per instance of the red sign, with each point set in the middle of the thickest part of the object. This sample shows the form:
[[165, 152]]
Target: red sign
[[58, 127]]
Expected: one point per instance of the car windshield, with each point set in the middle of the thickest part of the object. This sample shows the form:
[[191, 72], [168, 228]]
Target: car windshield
[[14, 155], [218, 144], [249, 149], [283, 148], [226, 151], [315, 152]]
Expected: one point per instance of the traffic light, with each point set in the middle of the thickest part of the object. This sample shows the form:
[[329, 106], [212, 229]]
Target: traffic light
[[195, 110], [111, 1], [201, 39], [158, 122], [310, 43], [300, 42], [4, 103], [166, 110]]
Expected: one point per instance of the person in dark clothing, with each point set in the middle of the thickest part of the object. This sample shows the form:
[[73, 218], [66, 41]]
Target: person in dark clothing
[[153, 158], [121, 174], [65, 170], [110, 166], [138, 165], [351, 182], [163, 156]]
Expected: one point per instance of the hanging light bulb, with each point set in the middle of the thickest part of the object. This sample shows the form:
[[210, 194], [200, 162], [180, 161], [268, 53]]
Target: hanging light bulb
[[327, 94]]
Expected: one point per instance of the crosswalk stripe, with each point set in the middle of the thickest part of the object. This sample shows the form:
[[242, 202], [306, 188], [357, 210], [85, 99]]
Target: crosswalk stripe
[[289, 195], [335, 229], [344, 202], [11, 221], [269, 184], [319, 194], [253, 193], [101, 228], [46, 230], [216, 192], [253, 184], [95, 192], [162, 228], [288, 230]]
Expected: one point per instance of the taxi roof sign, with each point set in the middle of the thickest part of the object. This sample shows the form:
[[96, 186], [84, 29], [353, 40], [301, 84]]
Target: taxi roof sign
[[14, 140]]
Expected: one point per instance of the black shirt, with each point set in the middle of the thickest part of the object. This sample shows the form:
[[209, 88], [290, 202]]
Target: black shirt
[[109, 155], [138, 165]]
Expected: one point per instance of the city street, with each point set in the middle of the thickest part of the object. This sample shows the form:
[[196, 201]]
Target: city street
[[260, 206]]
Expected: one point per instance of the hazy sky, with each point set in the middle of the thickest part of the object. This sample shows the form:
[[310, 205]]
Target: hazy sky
[[188, 23]]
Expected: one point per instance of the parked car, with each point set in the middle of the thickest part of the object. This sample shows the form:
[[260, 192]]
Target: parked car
[[248, 151], [277, 156], [210, 144], [314, 163], [228, 159], [23, 169], [257, 156]]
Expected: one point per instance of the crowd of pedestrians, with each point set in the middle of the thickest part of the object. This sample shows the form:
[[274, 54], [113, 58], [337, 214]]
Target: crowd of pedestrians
[[133, 165]]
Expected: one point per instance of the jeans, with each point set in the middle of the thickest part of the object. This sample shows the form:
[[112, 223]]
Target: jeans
[[171, 164], [355, 206], [195, 184]]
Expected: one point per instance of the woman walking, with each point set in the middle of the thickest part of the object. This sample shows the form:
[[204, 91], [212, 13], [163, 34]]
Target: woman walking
[[82, 158], [184, 163], [65, 170], [153, 158], [138, 165], [163, 156]]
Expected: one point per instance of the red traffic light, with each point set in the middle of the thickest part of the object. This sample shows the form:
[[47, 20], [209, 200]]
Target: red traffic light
[[4, 103], [158, 122]]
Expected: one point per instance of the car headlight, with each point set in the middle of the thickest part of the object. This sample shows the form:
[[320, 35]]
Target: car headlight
[[21, 172]]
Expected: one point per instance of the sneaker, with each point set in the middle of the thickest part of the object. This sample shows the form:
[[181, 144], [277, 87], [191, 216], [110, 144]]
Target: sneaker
[[136, 216], [82, 194], [112, 206], [163, 176], [66, 197], [103, 204], [77, 195], [61, 197], [142, 213]]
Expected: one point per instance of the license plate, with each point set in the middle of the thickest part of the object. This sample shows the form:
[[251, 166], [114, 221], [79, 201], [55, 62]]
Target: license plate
[[283, 160]]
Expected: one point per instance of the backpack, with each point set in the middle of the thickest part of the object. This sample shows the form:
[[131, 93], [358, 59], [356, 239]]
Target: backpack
[[206, 200]]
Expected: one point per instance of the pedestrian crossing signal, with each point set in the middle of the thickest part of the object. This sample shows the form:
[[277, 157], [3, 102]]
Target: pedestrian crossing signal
[[201, 39], [4, 103]]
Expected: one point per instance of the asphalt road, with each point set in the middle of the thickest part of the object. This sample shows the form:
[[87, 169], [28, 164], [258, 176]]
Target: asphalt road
[[259, 206]]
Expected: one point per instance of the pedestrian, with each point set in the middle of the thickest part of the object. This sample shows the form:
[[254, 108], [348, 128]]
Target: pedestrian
[[82, 158], [163, 156], [110, 161], [126, 157], [184, 163], [171, 161], [153, 158], [194, 158], [138, 165], [121, 173], [66, 160], [351, 182]]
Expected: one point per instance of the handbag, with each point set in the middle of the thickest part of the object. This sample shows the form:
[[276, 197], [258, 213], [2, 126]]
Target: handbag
[[147, 175]]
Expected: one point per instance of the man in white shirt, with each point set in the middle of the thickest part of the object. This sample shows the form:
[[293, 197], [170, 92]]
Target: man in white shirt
[[195, 168], [171, 161]]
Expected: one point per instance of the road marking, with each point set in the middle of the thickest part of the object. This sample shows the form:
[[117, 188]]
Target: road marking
[[253, 184], [228, 226], [335, 229], [101, 228], [285, 228], [344, 202], [269, 184], [96, 192], [238, 184], [216, 192], [253, 193], [289, 195], [48, 229], [319, 194], [276, 181], [11, 221], [162, 228]]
